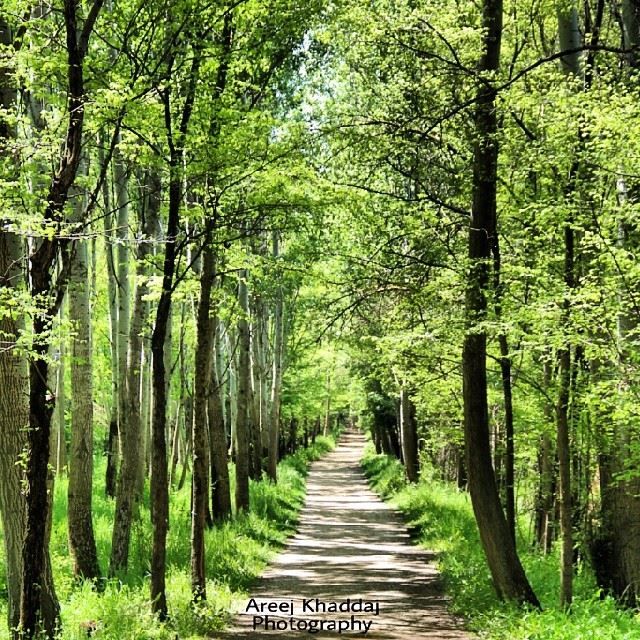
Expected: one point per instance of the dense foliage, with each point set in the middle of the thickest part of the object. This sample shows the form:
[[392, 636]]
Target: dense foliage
[[225, 227]]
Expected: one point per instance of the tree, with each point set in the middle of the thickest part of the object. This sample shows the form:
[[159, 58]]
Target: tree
[[81, 538], [507, 572], [244, 387], [46, 295], [131, 423]]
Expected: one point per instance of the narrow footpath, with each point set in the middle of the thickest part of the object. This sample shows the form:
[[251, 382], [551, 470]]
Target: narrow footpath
[[353, 553]]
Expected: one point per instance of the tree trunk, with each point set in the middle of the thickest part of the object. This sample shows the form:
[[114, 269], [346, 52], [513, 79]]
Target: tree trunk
[[60, 440], [82, 543], [276, 380], [508, 575], [14, 417], [220, 489], [569, 38], [112, 292], [244, 388], [123, 288], [327, 409], [564, 462], [505, 374], [41, 261], [293, 435], [408, 428], [254, 411], [159, 483], [202, 389], [131, 424]]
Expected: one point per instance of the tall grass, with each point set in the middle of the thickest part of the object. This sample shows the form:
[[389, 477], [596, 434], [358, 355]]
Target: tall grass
[[443, 521], [236, 553]]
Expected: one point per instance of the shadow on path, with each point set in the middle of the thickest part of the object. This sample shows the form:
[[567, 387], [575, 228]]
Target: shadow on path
[[349, 545]]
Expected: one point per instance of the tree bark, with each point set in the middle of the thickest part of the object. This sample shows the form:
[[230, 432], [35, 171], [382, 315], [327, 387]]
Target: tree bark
[[132, 458], [408, 428], [220, 487], [276, 380], [14, 374], [569, 38], [508, 575], [41, 261], [244, 389], [122, 286], [60, 441], [82, 542], [14, 417], [202, 390], [507, 393], [112, 293], [159, 480]]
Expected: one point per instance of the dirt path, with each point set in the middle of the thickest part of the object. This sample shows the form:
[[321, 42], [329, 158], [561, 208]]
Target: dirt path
[[349, 545]]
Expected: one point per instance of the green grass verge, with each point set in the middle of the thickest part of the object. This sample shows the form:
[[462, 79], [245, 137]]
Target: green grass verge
[[443, 519], [237, 552]]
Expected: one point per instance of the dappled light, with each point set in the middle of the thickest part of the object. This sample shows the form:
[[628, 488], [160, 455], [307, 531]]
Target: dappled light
[[349, 544]]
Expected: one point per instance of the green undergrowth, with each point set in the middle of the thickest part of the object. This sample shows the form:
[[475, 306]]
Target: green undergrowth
[[442, 518], [237, 552]]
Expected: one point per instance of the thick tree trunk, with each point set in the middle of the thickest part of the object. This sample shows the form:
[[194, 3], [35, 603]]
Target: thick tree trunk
[[131, 423], [14, 375], [244, 389], [14, 417], [617, 558], [82, 542], [508, 575]]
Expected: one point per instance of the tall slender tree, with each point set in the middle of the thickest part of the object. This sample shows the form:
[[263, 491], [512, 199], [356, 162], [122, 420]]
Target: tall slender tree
[[508, 575], [81, 537]]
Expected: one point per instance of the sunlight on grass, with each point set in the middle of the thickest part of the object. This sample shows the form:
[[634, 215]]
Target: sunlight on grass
[[236, 553], [443, 519]]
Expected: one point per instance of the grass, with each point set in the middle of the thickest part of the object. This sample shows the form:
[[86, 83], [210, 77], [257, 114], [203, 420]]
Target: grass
[[443, 519], [237, 552]]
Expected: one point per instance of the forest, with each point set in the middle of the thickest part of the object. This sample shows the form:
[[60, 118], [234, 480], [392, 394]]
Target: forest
[[228, 229]]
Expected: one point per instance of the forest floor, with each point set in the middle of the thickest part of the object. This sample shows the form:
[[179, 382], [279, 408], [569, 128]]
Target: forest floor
[[349, 546]]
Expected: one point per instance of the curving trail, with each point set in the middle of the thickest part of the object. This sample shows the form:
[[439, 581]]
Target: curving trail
[[349, 545]]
